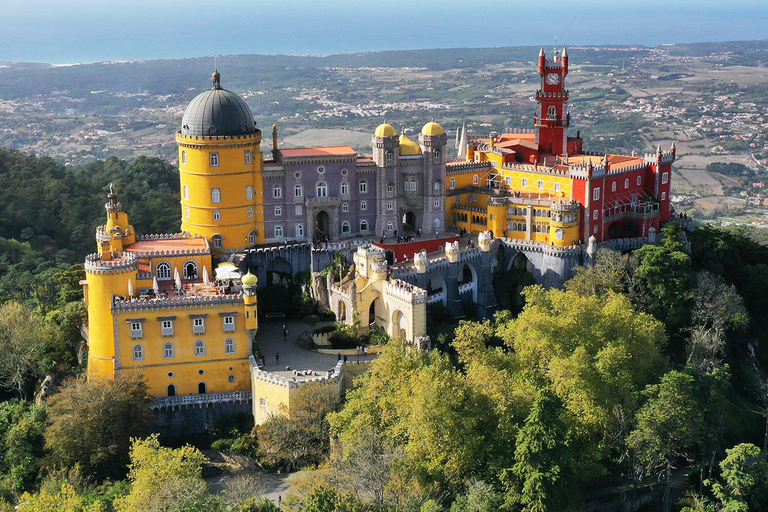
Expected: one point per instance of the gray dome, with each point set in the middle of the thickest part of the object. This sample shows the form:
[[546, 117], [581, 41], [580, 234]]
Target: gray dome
[[217, 112]]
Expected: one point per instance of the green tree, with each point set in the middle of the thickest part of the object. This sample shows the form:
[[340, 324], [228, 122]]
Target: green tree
[[165, 479], [22, 426], [22, 338], [66, 500], [92, 423], [745, 480], [669, 426], [543, 475]]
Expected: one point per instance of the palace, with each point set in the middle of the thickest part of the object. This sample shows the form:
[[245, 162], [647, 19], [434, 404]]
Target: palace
[[182, 308]]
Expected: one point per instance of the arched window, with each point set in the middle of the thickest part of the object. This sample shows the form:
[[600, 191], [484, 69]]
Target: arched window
[[436, 156], [406, 186], [186, 192], [171, 390], [249, 192], [363, 205], [213, 159], [363, 225], [557, 187], [475, 179], [277, 191], [278, 231], [247, 157], [558, 234], [540, 185], [345, 207], [626, 183], [345, 227], [389, 157], [216, 215], [322, 189], [278, 211], [252, 238], [298, 191], [250, 211], [199, 348], [436, 186], [613, 187], [639, 180], [453, 183], [436, 222], [344, 187], [413, 186], [190, 269], [201, 388], [299, 230], [390, 187], [183, 157], [363, 187], [508, 181], [218, 241], [524, 182], [552, 112], [229, 346], [389, 205], [299, 210], [168, 350], [163, 271], [186, 211], [389, 226], [138, 352], [215, 195]]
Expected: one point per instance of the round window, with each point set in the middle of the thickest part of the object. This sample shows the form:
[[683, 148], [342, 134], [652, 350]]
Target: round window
[[201, 372], [170, 374], [231, 378]]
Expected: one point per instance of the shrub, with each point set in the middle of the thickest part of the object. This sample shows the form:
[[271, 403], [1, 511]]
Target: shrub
[[311, 319], [327, 314]]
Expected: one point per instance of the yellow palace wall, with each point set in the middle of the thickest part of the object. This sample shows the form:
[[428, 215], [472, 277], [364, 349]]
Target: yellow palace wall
[[185, 365], [232, 176]]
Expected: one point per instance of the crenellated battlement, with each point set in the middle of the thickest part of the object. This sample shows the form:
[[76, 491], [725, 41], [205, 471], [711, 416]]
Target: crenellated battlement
[[332, 376], [405, 292], [122, 262], [130, 304]]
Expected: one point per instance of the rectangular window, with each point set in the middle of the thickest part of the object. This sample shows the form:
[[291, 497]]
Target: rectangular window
[[215, 195], [136, 330], [198, 325], [665, 177], [250, 212], [186, 192], [167, 328], [596, 194], [247, 157], [525, 182], [186, 211], [263, 402], [437, 202], [639, 180], [663, 196], [214, 159], [557, 187], [595, 214], [229, 324]]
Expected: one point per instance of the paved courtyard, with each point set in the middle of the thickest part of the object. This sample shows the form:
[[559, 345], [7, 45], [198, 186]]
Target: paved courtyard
[[271, 341]]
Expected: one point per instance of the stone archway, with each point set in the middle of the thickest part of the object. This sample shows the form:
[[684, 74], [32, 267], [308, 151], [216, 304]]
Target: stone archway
[[409, 221], [323, 223], [342, 311], [436, 286], [468, 276], [399, 324]]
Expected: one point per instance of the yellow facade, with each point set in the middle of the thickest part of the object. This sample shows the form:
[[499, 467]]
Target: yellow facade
[[222, 193]]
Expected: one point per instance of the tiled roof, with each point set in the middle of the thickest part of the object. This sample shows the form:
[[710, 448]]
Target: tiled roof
[[318, 151]]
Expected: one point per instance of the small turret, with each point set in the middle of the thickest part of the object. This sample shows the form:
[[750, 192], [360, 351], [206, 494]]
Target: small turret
[[250, 299], [565, 60], [378, 269], [542, 61], [652, 234], [274, 139], [420, 260], [484, 241], [674, 149], [592, 245], [452, 251]]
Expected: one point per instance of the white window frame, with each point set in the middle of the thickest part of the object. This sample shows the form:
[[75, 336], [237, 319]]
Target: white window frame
[[595, 214], [664, 178], [363, 205], [249, 192], [453, 183], [390, 205], [345, 228], [596, 194], [475, 179], [524, 183], [277, 191], [436, 156], [247, 157], [613, 186], [556, 187], [389, 157], [626, 183], [163, 271], [362, 187], [299, 230], [558, 234], [229, 323], [436, 223], [216, 215], [252, 238], [138, 352], [278, 211], [540, 184], [390, 226], [639, 180], [166, 327], [186, 192], [344, 187], [413, 186], [299, 210], [250, 211], [213, 159], [298, 190], [321, 189], [229, 346], [218, 241], [184, 156], [169, 351], [664, 196], [215, 195], [186, 211], [198, 326], [363, 225], [137, 330], [436, 203], [278, 231], [345, 207]]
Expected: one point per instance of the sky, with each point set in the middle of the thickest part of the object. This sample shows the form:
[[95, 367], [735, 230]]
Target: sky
[[73, 31]]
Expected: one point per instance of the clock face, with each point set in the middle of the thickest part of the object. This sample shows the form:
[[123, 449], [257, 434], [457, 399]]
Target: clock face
[[552, 78]]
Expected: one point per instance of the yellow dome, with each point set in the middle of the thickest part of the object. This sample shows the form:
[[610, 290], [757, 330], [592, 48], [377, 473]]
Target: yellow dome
[[385, 130], [249, 280], [408, 147], [432, 128]]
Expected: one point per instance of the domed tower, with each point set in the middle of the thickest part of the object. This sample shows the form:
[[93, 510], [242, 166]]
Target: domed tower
[[386, 155], [433, 141], [220, 162]]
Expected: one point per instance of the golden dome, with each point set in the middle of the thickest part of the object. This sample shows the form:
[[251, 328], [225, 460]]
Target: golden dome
[[408, 147], [432, 128], [385, 130], [249, 280]]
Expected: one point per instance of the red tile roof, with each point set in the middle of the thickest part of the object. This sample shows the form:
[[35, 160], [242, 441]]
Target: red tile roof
[[318, 151]]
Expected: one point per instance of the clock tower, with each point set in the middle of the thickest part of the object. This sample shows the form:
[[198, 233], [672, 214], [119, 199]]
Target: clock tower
[[552, 119]]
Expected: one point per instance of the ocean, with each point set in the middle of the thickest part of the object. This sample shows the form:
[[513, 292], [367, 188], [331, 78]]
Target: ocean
[[75, 31]]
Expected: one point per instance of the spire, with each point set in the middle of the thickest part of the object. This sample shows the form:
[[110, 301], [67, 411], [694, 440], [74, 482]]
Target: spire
[[463, 143], [216, 77], [565, 52]]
